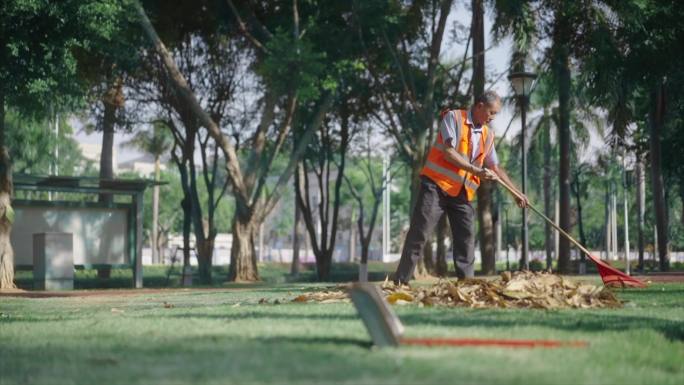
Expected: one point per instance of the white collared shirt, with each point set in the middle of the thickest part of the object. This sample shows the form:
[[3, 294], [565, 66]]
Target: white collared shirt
[[450, 132]]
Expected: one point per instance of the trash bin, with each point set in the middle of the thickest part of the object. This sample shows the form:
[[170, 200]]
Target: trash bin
[[53, 261]]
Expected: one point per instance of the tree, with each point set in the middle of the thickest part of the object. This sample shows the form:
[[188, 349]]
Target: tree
[[36, 74], [324, 153], [213, 67], [401, 45], [543, 98], [567, 26], [105, 66], [366, 184], [33, 144], [158, 142], [628, 37], [249, 183]]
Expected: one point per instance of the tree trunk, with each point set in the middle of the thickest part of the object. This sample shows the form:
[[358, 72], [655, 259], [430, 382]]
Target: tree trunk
[[484, 193], [561, 65], [204, 237], [294, 269], [6, 252], [363, 265], [186, 205], [107, 159], [187, 223], [323, 266], [440, 264], [111, 101], [583, 239], [547, 194], [155, 213], [205, 253], [641, 205], [243, 263], [657, 120]]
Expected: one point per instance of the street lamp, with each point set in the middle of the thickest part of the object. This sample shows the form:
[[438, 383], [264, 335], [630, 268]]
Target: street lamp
[[522, 85]]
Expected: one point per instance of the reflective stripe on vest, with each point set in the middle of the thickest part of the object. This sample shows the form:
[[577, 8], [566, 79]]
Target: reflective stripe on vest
[[452, 174], [447, 176]]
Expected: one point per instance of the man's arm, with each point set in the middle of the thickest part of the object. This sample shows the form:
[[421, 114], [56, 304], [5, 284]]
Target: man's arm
[[521, 199]]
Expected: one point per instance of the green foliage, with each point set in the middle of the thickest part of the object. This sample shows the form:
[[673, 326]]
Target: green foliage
[[41, 39], [32, 145], [293, 65]]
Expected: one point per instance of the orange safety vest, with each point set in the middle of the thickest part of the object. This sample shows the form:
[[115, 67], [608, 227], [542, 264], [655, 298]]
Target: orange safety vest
[[444, 173]]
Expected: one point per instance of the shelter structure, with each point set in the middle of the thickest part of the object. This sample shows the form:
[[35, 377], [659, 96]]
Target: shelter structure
[[106, 233]]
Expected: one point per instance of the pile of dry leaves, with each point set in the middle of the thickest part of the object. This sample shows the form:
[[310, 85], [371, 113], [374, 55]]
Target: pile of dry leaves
[[510, 290]]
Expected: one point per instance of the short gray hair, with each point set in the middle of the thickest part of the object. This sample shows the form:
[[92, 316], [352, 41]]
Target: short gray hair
[[488, 98]]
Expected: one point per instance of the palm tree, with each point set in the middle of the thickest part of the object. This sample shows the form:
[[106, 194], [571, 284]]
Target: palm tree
[[157, 143], [558, 22]]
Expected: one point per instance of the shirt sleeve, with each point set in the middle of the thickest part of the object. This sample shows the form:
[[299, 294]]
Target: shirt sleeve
[[491, 159], [448, 129]]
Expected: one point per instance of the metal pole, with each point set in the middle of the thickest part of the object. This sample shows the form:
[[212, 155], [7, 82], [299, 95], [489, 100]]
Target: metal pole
[[385, 210], [556, 236], [56, 144], [614, 236], [388, 197], [624, 191], [608, 222], [499, 252], [261, 243], [508, 265], [525, 245], [352, 236]]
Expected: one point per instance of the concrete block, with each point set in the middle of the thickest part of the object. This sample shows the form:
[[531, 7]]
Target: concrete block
[[53, 261]]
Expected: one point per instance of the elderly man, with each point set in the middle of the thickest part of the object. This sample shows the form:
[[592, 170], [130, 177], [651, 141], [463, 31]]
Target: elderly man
[[461, 157]]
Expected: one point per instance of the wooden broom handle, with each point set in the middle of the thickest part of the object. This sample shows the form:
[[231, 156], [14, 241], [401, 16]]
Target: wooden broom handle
[[552, 223]]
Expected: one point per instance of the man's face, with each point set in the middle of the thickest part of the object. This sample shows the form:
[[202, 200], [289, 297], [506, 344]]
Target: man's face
[[484, 113]]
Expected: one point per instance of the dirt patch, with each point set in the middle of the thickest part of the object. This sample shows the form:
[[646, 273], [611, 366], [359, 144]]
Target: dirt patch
[[99, 293], [674, 277]]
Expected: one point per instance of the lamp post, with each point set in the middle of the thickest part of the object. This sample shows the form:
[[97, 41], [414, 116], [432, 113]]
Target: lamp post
[[522, 86]]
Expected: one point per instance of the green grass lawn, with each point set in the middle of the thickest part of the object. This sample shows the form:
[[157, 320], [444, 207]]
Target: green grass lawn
[[160, 276], [226, 336]]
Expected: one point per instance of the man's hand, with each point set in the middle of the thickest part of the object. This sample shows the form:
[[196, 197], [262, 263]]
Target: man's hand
[[522, 201], [487, 174]]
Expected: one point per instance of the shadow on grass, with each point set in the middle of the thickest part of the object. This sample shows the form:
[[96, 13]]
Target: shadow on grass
[[570, 320], [578, 321], [261, 315], [366, 344], [159, 276]]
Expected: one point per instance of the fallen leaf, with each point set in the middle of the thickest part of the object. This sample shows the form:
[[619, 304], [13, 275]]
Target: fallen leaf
[[539, 290], [394, 297]]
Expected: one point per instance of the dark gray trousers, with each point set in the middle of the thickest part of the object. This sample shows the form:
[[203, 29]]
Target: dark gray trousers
[[432, 202]]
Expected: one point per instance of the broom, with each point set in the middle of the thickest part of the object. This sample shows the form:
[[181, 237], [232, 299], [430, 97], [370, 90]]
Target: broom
[[610, 275]]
